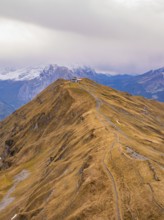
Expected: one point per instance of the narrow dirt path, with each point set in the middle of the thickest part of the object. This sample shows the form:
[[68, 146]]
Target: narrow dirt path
[[118, 132], [114, 190], [108, 172], [8, 198]]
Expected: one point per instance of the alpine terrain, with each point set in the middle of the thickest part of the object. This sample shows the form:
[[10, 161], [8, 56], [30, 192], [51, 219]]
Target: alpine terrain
[[19, 86], [83, 151]]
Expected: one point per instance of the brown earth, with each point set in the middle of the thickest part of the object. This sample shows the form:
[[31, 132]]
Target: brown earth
[[90, 152]]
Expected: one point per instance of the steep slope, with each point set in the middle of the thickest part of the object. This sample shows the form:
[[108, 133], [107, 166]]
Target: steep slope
[[83, 151]]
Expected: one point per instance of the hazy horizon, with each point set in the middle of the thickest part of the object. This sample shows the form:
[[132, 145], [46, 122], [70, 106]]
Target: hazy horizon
[[118, 36]]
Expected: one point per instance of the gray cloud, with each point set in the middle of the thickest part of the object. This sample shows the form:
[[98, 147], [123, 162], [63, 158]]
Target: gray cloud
[[118, 35]]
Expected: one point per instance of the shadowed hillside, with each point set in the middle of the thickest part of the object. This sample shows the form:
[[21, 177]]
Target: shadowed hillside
[[83, 151]]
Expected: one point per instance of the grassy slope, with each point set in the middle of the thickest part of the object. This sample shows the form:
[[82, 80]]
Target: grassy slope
[[74, 139]]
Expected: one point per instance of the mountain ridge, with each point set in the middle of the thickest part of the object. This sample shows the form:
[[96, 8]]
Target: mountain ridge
[[91, 153], [26, 86]]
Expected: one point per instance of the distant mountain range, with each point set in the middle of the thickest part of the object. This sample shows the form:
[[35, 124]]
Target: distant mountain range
[[17, 87], [149, 85]]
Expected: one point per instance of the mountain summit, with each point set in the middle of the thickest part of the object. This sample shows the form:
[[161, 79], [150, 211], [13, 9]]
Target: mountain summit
[[18, 87], [83, 151]]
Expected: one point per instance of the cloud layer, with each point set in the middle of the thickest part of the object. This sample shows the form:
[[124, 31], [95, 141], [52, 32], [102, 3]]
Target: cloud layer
[[117, 35]]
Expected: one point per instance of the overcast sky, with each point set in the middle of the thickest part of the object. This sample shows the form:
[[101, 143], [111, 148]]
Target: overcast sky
[[108, 35]]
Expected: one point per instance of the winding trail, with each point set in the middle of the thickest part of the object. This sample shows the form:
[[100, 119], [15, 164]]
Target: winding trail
[[99, 103], [8, 198], [108, 172]]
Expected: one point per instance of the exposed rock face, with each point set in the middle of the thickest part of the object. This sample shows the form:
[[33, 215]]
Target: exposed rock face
[[92, 153]]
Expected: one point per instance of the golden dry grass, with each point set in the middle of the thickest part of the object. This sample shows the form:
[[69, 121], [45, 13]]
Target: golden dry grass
[[92, 153]]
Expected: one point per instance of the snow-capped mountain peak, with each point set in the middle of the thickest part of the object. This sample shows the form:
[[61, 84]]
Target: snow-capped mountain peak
[[27, 73], [42, 71]]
